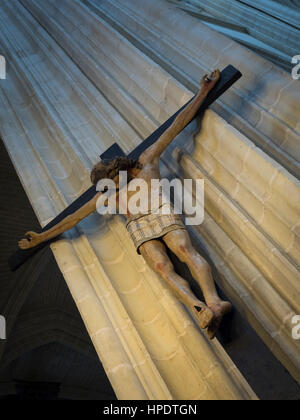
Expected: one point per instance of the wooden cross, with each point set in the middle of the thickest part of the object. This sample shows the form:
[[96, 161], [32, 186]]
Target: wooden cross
[[228, 77]]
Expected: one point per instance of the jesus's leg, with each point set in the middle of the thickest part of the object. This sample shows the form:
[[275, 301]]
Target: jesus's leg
[[154, 253], [179, 242]]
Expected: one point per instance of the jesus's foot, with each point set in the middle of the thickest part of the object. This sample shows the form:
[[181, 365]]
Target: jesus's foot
[[204, 315], [219, 310]]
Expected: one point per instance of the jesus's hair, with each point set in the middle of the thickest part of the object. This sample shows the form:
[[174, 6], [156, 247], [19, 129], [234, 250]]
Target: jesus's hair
[[110, 168]]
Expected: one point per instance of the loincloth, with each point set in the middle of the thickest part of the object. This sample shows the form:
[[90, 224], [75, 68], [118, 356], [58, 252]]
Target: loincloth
[[154, 225]]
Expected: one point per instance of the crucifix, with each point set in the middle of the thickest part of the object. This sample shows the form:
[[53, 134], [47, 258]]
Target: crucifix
[[152, 232]]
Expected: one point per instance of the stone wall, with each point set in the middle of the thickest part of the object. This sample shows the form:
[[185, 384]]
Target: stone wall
[[82, 76], [266, 27]]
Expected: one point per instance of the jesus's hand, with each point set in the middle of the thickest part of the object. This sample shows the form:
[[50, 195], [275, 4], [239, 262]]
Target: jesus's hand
[[31, 240], [209, 81]]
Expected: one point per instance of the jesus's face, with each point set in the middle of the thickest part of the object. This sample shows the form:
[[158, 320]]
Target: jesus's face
[[134, 172], [116, 181], [131, 173]]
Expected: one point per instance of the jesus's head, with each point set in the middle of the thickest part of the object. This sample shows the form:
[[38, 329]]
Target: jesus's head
[[111, 168]]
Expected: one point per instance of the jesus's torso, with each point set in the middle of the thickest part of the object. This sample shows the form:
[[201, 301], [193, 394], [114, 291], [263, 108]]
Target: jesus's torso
[[149, 172]]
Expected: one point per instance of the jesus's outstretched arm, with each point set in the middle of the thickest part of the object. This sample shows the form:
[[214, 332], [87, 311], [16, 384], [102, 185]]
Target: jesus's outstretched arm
[[33, 239], [183, 118]]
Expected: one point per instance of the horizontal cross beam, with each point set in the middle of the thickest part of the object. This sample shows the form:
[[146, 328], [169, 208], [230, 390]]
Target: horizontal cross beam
[[228, 77]]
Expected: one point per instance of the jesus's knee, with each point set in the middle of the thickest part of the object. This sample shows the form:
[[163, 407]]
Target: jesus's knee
[[184, 250], [163, 265], [188, 254], [158, 261]]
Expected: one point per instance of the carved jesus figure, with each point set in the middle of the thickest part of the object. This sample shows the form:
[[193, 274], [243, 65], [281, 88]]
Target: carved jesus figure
[[153, 232]]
